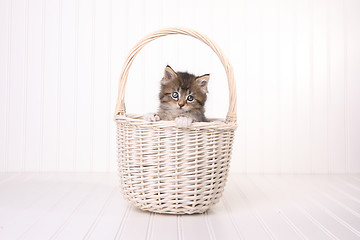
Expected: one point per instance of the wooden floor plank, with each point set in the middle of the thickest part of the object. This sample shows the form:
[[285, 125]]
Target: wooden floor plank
[[278, 225], [336, 195], [343, 196], [195, 227], [222, 222], [111, 219], [19, 193], [90, 206], [244, 216], [81, 220], [304, 189], [340, 213], [59, 211], [135, 225], [6, 177], [284, 200], [352, 183], [164, 227]]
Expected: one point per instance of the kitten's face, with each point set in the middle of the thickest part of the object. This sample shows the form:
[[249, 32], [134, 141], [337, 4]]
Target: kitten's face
[[182, 91]]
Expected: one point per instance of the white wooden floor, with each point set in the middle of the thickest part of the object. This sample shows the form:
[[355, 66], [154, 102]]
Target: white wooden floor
[[89, 206]]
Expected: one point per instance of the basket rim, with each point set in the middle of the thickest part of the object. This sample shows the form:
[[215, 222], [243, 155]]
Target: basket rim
[[137, 119]]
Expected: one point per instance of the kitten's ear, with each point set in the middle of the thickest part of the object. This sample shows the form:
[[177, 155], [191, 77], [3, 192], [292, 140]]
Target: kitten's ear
[[202, 81], [169, 75]]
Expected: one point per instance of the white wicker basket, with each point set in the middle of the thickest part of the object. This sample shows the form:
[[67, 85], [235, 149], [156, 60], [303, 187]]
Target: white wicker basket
[[165, 169]]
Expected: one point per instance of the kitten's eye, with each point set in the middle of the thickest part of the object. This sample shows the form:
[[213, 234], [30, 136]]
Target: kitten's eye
[[190, 98], [175, 95]]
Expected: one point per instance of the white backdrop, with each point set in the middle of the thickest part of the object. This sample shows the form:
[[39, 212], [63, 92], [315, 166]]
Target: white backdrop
[[296, 63]]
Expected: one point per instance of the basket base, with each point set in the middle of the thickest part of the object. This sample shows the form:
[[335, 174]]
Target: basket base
[[181, 207], [175, 211]]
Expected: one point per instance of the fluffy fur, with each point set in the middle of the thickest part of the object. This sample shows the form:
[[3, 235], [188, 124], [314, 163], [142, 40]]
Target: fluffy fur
[[182, 98]]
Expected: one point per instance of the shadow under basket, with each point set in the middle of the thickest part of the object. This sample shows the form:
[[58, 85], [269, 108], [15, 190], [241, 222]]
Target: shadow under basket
[[166, 169]]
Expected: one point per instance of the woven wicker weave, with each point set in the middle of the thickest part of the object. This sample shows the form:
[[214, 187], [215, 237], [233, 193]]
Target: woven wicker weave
[[165, 169]]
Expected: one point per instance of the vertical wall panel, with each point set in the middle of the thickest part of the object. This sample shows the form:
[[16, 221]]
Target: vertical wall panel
[[136, 78], [270, 86], [50, 71], [119, 50], [203, 19], [318, 142], [302, 85], [101, 81], [237, 16], [83, 155], [16, 86], [218, 90], [33, 99], [75, 85], [25, 86], [254, 78], [336, 104], [4, 61], [187, 19], [295, 63], [5, 26], [171, 17], [66, 81], [353, 60], [206, 61], [286, 18], [152, 53], [109, 88]]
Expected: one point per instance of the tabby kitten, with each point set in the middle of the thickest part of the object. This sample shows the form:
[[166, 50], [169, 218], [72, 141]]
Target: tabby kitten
[[182, 98]]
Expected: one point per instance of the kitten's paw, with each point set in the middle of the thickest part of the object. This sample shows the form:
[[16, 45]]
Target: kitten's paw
[[151, 117], [183, 122]]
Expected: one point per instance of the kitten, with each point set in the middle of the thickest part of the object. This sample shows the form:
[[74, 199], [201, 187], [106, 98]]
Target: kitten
[[182, 98]]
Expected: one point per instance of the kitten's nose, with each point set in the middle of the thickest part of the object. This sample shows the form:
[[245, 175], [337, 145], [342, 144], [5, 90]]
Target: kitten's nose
[[181, 104]]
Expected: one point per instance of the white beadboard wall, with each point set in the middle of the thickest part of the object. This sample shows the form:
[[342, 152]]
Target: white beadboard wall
[[296, 63]]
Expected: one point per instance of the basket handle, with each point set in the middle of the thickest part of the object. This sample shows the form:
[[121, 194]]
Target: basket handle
[[120, 104]]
